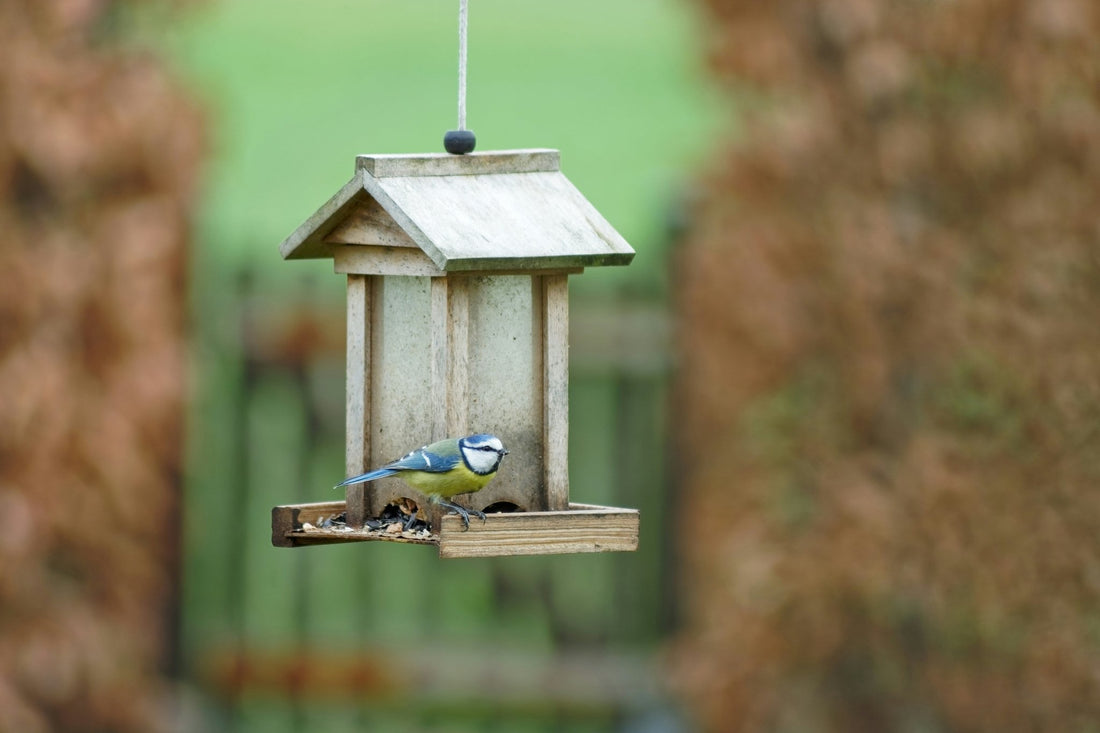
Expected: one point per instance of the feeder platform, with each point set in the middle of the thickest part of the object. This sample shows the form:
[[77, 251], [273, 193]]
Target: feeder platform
[[580, 528]]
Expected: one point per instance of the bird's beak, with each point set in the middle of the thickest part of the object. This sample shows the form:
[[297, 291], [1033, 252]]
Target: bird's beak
[[504, 453]]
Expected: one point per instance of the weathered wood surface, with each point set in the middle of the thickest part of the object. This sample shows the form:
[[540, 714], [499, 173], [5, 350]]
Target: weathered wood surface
[[317, 536], [288, 519], [513, 221], [580, 529], [308, 240], [555, 390], [458, 367], [510, 210], [358, 259], [442, 344], [357, 386], [373, 260], [366, 222], [401, 407], [504, 385], [531, 160]]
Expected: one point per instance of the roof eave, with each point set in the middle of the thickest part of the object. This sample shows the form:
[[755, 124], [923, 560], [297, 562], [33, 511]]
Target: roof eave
[[308, 240], [518, 264]]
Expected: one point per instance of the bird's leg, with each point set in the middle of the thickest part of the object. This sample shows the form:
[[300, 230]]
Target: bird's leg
[[410, 520], [460, 510]]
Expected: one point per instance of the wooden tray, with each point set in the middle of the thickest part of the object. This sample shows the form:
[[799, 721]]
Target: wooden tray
[[581, 528]]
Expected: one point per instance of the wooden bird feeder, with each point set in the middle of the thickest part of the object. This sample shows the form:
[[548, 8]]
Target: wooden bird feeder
[[458, 322]]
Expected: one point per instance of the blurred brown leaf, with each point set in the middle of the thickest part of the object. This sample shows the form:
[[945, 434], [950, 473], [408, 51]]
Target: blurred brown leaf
[[890, 372], [99, 152]]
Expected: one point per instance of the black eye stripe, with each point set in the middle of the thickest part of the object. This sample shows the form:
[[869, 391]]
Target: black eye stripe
[[487, 448]]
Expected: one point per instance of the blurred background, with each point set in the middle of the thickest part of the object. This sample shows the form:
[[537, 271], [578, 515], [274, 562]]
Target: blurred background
[[852, 378]]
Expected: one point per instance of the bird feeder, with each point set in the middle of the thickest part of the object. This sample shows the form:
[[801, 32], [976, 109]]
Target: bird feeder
[[458, 322]]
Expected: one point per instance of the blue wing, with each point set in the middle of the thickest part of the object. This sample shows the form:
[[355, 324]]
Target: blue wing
[[434, 458], [424, 460], [369, 476]]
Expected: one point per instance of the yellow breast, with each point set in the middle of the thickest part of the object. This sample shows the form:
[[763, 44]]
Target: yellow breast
[[460, 480]]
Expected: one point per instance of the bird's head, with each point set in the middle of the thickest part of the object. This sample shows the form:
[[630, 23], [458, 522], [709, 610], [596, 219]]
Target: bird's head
[[482, 452]]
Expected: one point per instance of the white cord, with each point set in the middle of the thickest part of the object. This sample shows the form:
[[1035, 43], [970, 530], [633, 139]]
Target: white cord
[[463, 6]]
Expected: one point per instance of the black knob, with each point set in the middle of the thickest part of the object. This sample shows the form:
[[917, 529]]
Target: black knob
[[459, 142]]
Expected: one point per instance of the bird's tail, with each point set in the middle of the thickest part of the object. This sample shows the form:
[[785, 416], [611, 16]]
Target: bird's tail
[[369, 476]]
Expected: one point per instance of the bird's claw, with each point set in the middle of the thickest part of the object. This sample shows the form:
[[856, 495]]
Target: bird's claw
[[464, 513]]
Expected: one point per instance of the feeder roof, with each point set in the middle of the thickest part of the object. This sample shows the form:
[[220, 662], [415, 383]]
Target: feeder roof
[[500, 210]]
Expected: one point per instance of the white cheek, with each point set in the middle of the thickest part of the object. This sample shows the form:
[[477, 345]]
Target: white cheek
[[481, 461]]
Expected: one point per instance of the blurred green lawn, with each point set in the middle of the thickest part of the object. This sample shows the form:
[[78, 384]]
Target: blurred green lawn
[[297, 89]]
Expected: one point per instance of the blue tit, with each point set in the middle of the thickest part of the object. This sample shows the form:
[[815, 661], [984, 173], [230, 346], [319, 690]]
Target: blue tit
[[445, 469]]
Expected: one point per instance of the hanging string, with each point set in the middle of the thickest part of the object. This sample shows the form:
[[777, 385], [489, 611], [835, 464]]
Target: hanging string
[[461, 141], [463, 7]]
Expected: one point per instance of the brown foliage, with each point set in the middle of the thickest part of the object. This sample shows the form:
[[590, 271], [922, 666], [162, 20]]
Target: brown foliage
[[890, 382], [98, 154]]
